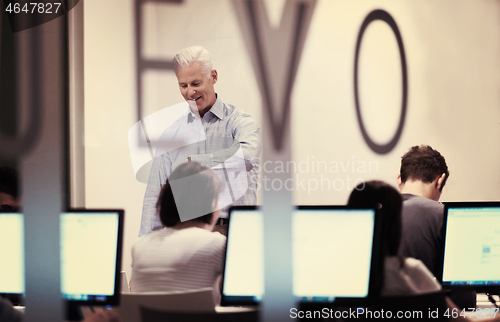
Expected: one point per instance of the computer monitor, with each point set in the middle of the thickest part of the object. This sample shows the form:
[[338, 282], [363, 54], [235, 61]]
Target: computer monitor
[[12, 256], [471, 256], [91, 255], [332, 249]]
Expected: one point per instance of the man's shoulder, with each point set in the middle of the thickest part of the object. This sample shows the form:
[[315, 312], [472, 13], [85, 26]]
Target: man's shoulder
[[421, 205], [236, 113], [410, 200]]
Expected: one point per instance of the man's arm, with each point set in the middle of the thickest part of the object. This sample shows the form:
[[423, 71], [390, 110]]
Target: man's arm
[[245, 135], [160, 169]]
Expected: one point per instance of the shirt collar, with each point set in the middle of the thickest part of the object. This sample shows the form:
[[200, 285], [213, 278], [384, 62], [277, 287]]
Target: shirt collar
[[191, 115], [216, 109]]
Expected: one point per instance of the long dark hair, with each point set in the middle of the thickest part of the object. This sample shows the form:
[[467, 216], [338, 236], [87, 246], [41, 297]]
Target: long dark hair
[[387, 200]]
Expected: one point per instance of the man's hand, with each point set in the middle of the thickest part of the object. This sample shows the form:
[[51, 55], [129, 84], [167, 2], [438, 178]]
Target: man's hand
[[103, 316]]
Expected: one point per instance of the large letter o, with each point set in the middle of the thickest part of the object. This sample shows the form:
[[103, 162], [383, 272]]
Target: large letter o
[[384, 16]]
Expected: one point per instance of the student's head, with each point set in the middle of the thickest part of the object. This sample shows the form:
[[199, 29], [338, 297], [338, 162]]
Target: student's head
[[423, 163], [379, 195], [9, 189], [196, 78], [387, 200], [196, 190]]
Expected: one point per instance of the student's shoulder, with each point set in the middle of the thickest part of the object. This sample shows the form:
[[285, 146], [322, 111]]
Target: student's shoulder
[[214, 236], [219, 237], [212, 239], [418, 202], [155, 235]]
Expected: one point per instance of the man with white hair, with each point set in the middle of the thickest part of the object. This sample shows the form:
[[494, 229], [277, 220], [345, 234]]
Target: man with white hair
[[217, 135]]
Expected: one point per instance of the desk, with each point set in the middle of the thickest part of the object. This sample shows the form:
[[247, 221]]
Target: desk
[[482, 301], [234, 309], [19, 308]]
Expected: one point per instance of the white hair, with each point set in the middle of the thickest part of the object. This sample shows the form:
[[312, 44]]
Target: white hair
[[187, 56]]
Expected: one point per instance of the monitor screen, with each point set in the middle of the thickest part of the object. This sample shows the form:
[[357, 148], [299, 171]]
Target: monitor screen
[[91, 253], [11, 253], [472, 245], [332, 254], [91, 249]]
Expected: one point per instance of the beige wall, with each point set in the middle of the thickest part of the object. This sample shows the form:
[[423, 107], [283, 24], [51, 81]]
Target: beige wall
[[452, 50]]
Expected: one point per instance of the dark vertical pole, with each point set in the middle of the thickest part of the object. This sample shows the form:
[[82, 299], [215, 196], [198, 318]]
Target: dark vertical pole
[[8, 115], [42, 64], [76, 129]]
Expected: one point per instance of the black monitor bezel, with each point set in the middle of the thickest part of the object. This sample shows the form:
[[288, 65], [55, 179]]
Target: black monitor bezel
[[492, 289], [339, 301], [113, 300]]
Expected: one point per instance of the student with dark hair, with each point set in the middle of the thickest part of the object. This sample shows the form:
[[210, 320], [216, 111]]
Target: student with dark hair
[[401, 275], [204, 186], [398, 275], [423, 163], [185, 254], [422, 177], [9, 189]]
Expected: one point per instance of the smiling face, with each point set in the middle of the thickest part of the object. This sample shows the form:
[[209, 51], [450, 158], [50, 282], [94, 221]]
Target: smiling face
[[197, 87]]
